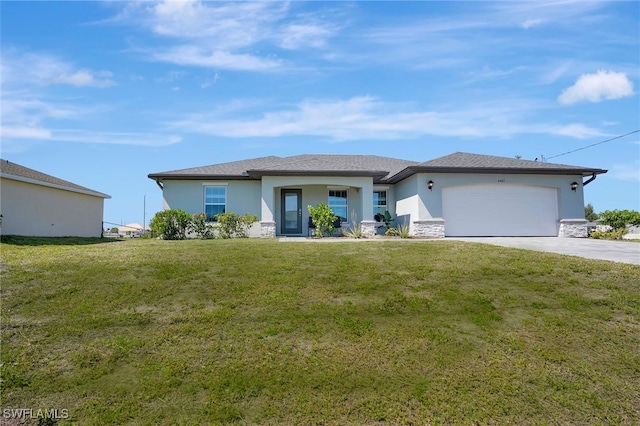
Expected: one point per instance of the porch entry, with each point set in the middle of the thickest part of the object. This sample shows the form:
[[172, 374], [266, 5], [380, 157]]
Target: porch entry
[[291, 212]]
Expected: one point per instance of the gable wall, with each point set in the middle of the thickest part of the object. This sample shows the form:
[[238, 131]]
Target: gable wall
[[35, 210]]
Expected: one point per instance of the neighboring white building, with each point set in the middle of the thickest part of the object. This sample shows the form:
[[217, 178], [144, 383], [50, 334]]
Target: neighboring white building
[[131, 229], [36, 204]]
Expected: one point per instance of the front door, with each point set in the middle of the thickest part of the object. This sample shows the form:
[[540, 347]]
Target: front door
[[291, 212]]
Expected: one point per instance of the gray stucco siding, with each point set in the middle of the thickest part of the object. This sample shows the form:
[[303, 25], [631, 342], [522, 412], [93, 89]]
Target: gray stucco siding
[[242, 196], [313, 195], [570, 203]]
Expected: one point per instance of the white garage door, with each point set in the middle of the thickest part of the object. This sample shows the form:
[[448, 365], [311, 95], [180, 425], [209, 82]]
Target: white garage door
[[499, 210]]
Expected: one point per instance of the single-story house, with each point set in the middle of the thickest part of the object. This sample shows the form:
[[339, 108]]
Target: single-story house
[[39, 205], [460, 194]]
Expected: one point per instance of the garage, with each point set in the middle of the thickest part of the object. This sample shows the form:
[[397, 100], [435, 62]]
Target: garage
[[504, 210]]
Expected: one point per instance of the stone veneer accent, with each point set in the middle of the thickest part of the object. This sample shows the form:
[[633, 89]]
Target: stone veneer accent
[[573, 228], [368, 228], [428, 228], [267, 229]]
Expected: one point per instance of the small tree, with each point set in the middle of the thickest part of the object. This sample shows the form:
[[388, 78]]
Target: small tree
[[170, 224], [323, 218], [114, 230], [589, 214]]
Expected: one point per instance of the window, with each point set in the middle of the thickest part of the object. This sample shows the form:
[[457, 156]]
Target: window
[[215, 201], [379, 202], [338, 203]]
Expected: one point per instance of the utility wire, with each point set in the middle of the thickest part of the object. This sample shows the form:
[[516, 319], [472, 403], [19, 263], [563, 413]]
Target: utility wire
[[594, 144]]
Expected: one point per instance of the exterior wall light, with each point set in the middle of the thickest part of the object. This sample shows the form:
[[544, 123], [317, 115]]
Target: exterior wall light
[[574, 186], [430, 185]]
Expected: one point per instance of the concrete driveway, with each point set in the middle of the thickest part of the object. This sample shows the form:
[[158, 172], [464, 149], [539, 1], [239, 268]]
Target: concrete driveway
[[616, 251]]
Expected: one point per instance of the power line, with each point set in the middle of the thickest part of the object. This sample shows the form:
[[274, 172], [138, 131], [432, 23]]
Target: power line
[[594, 144]]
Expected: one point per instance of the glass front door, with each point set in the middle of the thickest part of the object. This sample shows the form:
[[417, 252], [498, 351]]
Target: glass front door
[[291, 211]]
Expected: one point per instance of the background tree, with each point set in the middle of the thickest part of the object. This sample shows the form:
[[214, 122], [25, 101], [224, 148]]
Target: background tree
[[589, 214], [620, 219]]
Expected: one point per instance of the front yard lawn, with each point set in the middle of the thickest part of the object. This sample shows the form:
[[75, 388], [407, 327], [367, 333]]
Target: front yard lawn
[[148, 332]]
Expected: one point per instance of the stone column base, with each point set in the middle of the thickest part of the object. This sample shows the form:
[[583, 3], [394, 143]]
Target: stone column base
[[573, 228], [267, 229], [368, 228], [428, 228]]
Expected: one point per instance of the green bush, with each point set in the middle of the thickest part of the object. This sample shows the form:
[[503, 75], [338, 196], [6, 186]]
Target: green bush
[[609, 235], [199, 226], [392, 232], [323, 218], [170, 224], [230, 225], [618, 219]]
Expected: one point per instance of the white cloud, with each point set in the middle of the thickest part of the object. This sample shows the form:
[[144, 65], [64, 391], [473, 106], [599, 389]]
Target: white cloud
[[114, 138], [84, 136], [578, 131], [530, 23], [27, 116], [85, 78], [296, 36], [44, 69], [628, 171], [24, 133], [200, 57], [368, 118], [603, 85], [231, 35]]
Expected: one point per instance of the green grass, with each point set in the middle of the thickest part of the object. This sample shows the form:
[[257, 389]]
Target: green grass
[[148, 332]]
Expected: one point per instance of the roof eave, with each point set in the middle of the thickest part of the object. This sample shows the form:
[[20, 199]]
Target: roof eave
[[409, 171], [161, 176]]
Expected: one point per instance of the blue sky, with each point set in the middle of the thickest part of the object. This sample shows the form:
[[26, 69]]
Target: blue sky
[[104, 93]]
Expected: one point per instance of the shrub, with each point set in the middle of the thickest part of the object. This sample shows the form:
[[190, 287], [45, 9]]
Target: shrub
[[404, 231], [231, 225], [323, 218], [170, 224], [618, 219], [355, 229], [609, 235], [392, 232], [199, 226]]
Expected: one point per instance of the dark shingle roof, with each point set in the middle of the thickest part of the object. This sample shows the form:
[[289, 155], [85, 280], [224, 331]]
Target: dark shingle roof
[[224, 170], [462, 162], [320, 164], [11, 170], [383, 169]]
